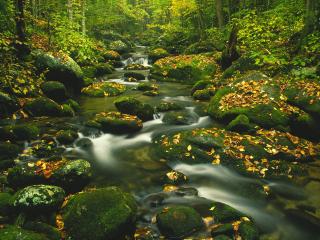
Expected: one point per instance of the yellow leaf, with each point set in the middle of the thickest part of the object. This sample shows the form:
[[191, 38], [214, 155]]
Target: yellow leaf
[[189, 148]]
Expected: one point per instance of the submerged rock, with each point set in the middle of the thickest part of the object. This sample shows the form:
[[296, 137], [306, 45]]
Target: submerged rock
[[130, 105], [39, 197], [116, 122], [179, 221], [102, 214]]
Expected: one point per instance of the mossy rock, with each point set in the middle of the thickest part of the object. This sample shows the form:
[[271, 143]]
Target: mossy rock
[[224, 229], [203, 95], [43, 107], [119, 46], [116, 122], [39, 227], [241, 124], [224, 213], [104, 89], [180, 118], [248, 231], [7, 104], [73, 104], [55, 91], [111, 55], [179, 221], [168, 106], [199, 47], [9, 232], [102, 214], [150, 93], [147, 87], [249, 155], [67, 110], [222, 237], [37, 197], [6, 200], [9, 150], [20, 132], [157, 53], [135, 67], [306, 126], [61, 68], [97, 70], [242, 65], [135, 75], [130, 105], [200, 85], [66, 136]]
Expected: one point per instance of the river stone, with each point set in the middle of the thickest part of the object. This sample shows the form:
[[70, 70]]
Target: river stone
[[168, 106], [54, 90], [180, 118], [9, 232], [66, 136], [5, 203], [104, 89], [130, 105], [202, 95], [116, 122], [7, 104], [224, 213], [37, 197], [248, 231], [20, 132], [136, 75], [157, 53], [225, 229], [178, 221], [8, 150], [43, 107], [147, 87], [101, 214]]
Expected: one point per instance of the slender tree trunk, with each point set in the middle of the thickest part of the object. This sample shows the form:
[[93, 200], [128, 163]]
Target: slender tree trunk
[[219, 12], [21, 43], [70, 10], [83, 19]]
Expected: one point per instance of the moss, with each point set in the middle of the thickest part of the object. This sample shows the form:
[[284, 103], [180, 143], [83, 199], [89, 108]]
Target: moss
[[21, 132], [168, 106], [9, 150], [43, 107], [67, 111], [241, 124], [111, 55], [39, 197], [7, 104], [104, 89], [157, 53], [130, 105], [13, 233], [72, 103], [147, 87], [66, 136], [150, 93], [43, 228], [179, 221], [224, 214], [5, 204], [97, 70], [225, 229], [54, 90], [248, 231], [119, 46], [180, 118], [106, 213], [136, 75], [200, 85], [202, 95]]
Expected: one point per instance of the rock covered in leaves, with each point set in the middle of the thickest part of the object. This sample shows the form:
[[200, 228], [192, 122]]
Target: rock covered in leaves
[[130, 105], [116, 122], [119, 46], [10, 232], [183, 68], [101, 214], [39, 197], [61, 68], [269, 153], [179, 221], [55, 91], [7, 104], [104, 89]]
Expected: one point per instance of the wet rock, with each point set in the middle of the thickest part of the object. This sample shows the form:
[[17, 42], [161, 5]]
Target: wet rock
[[168, 106], [43, 107], [97, 70], [175, 177], [66, 136], [72, 103], [119, 46], [5, 203], [155, 200], [130, 105], [104, 89], [200, 85], [114, 210], [180, 118], [116, 122], [147, 87], [248, 231], [222, 237], [7, 104], [151, 93], [135, 66], [186, 191], [9, 232], [20, 132], [241, 124], [111, 55], [136, 75], [63, 69], [39, 197], [157, 53], [225, 229], [223, 213], [84, 143], [55, 91], [202, 95], [43, 228], [179, 221]]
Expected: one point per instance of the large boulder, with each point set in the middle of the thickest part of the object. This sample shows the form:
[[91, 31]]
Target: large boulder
[[102, 214], [9, 232], [249, 155], [104, 89], [184, 68], [116, 122], [54, 90], [43, 107], [39, 197], [179, 221], [97, 70], [130, 105], [7, 104], [19, 132], [61, 68]]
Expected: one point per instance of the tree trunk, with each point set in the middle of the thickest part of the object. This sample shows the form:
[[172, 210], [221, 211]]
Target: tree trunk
[[21, 42], [83, 19], [230, 54], [219, 12], [69, 9]]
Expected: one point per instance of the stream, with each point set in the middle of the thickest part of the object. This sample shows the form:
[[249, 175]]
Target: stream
[[131, 162]]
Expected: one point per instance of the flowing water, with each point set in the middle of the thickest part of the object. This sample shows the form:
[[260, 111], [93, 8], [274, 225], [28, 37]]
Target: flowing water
[[130, 161]]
